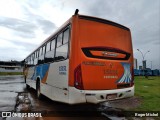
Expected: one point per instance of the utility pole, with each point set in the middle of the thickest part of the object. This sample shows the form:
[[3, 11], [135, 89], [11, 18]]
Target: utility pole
[[143, 60]]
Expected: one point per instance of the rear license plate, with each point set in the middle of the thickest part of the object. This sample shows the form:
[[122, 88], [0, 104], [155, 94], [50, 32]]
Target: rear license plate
[[111, 96]]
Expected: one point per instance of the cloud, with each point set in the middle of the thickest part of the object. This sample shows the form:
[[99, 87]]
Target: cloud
[[24, 32], [46, 25], [33, 14], [15, 50], [18, 26]]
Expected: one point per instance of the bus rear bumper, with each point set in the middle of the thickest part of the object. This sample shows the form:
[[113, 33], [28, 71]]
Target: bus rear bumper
[[97, 96], [106, 95]]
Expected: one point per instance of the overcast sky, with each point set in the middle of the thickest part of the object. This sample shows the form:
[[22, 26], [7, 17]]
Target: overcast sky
[[24, 24]]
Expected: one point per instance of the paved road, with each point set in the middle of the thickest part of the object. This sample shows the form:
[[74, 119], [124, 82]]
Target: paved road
[[9, 88], [13, 87], [15, 97]]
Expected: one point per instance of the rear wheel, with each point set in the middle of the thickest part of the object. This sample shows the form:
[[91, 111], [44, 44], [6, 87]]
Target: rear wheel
[[27, 86], [38, 90]]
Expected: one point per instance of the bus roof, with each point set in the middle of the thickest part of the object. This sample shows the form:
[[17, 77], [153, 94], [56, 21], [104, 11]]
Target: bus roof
[[96, 19]]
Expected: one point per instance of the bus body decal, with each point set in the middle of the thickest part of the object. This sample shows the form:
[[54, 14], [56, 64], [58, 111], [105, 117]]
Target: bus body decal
[[34, 74], [45, 77], [126, 78], [41, 71]]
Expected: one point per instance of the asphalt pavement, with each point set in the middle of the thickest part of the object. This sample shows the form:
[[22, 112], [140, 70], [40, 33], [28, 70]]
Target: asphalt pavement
[[14, 97]]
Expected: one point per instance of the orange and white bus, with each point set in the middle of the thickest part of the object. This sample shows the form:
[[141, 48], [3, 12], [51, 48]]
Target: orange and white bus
[[87, 60]]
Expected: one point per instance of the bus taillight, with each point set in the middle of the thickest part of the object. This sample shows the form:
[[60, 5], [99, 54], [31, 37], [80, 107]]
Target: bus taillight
[[78, 78]]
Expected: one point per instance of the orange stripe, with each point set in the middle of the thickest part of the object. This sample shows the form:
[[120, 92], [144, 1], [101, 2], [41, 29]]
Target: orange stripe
[[45, 77]]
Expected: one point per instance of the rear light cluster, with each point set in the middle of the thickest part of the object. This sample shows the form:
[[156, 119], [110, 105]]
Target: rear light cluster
[[78, 83]]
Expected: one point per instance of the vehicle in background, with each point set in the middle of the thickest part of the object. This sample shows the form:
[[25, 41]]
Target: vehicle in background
[[155, 72], [136, 72], [146, 72]]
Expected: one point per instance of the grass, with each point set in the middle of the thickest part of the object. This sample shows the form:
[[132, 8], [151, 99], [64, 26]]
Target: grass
[[11, 73], [149, 91]]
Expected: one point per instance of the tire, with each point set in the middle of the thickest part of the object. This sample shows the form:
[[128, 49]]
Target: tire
[[27, 87], [38, 90]]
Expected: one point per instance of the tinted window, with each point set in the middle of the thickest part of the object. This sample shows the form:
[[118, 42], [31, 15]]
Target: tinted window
[[48, 47], [59, 40], [41, 56], [37, 53], [66, 36], [32, 59], [49, 57], [36, 57], [40, 52], [61, 52], [29, 60], [44, 49], [53, 44], [33, 56]]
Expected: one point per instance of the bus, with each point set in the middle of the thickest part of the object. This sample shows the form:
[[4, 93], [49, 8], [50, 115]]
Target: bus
[[87, 60]]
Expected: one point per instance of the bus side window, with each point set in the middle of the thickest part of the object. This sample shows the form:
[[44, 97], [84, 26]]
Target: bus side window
[[59, 40], [40, 51], [44, 49], [29, 60], [48, 46], [66, 36], [36, 58], [26, 61], [41, 55], [53, 42], [62, 51], [33, 58], [49, 57], [37, 53]]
